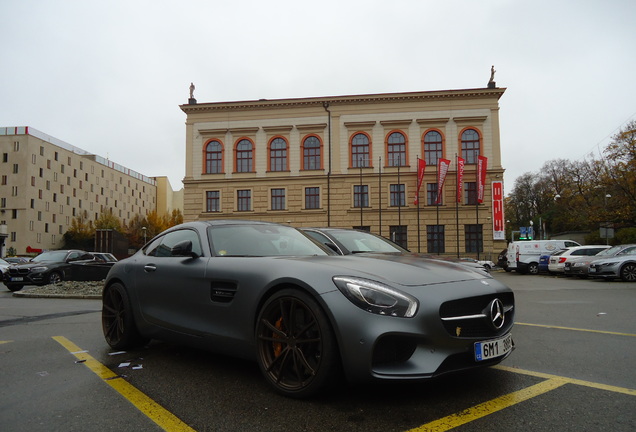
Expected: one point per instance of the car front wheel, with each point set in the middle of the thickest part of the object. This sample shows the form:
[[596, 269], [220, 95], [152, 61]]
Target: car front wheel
[[118, 323], [628, 272], [14, 288], [55, 278], [296, 349]]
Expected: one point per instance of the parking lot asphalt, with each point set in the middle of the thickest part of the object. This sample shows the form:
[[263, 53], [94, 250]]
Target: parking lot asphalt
[[572, 369]]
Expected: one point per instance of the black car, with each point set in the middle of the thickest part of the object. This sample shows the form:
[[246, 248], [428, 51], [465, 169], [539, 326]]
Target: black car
[[269, 293], [56, 266], [347, 241]]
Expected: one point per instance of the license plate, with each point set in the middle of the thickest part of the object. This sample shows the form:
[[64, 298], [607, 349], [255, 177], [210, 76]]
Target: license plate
[[17, 279], [493, 348], [592, 270]]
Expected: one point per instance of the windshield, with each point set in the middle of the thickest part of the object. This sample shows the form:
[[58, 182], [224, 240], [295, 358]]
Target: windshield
[[360, 241], [54, 256], [610, 252], [261, 240]]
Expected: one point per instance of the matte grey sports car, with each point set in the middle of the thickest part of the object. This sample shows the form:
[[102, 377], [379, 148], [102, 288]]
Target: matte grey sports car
[[268, 292]]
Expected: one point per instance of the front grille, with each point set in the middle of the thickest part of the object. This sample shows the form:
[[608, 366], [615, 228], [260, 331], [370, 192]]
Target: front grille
[[476, 321], [18, 271]]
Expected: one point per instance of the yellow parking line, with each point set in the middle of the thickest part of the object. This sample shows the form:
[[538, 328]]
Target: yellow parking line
[[615, 389], [3, 342], [155, 412], [577, 329], [487, 408]]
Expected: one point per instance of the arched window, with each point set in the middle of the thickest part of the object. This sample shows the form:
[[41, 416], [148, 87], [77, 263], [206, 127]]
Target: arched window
[[244, 156], [360, 153], [396, 149], [470, 146], [278, 155], [311, 153], [433, 147], [214, 158]]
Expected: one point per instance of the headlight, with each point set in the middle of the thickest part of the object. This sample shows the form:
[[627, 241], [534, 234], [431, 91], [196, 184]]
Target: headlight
[[376, 297], [38, 269]]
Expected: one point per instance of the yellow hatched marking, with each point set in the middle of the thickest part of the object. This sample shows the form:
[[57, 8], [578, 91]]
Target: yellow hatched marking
[[492, 406], [577, 329], [155, 412], [614, 389]]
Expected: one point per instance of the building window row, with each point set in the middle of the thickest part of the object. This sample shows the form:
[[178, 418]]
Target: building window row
[[359, 147]]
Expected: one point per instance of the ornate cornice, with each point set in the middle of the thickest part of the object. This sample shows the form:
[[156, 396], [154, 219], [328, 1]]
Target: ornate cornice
[[483, 93]]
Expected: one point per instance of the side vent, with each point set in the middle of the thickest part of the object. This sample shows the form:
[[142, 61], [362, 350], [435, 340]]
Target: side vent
[[222, 292]]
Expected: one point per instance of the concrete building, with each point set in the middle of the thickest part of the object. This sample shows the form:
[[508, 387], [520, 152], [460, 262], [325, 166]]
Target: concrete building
[[46, 183], [352, 161]]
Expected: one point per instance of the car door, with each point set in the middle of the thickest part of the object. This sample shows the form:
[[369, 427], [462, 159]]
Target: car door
[[172, 290]]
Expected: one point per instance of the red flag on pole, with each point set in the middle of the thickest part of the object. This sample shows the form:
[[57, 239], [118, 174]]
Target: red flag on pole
[[421, 166], [442, 170], [482, 163], [460, 178]]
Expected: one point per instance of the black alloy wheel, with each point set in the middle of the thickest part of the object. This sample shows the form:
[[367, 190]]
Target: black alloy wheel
[[118, 322], [296, 349], [628, 272], [55, 278]]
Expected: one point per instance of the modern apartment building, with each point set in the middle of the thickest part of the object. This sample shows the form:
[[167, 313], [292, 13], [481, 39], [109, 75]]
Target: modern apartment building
[[353, 161], [46, 183]]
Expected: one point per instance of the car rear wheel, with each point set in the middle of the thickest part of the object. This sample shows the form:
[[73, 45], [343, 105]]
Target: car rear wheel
[[118, 323], [533, 268], [296, 349], [628, 272], [55, 278]]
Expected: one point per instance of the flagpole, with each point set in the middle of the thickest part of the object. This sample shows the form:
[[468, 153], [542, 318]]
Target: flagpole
[[419, 249], [457, 202], [361, 195], [380, 194]]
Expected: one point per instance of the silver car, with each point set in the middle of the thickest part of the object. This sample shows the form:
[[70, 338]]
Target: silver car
[[616, 262]]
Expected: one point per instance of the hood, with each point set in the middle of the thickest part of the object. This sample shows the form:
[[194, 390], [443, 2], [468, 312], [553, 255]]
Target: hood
[[406, 270]]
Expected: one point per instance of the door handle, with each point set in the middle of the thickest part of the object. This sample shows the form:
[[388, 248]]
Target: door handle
[[150, 268]]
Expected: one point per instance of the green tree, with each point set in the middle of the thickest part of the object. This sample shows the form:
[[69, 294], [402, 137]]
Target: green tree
[[107, 220], [81, 234]]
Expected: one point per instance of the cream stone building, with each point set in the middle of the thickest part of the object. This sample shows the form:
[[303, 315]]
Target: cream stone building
[[352, 161], [46, 183]]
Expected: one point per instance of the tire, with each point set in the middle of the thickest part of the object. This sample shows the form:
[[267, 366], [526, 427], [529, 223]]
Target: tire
[[14, 288], [533, 268], [487, 267], [296, 349], [118, 323], [628, 272], [55, 278]]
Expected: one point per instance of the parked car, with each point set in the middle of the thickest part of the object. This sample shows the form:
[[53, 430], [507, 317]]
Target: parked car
[[572, 254], [269, 293], [3, 266], [16, 260], [104, 257], [53, 267], [616, 262], [523, 256], [346, 241]]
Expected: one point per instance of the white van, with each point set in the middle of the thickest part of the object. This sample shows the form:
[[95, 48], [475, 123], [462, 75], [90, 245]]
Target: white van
[[523, 256]]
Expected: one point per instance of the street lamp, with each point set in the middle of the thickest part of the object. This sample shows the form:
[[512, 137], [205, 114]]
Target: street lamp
[[144, 230]]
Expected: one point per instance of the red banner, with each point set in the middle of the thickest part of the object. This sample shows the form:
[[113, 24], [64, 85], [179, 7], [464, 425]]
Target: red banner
[[460, 178], [421, 166], [482, 163], [498, 226], [442, 170]]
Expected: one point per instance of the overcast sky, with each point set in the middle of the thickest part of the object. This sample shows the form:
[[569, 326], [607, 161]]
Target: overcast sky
[[108, 77]]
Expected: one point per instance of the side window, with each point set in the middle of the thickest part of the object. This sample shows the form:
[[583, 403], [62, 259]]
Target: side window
[[162, 246], [73, 256], [571, 244]]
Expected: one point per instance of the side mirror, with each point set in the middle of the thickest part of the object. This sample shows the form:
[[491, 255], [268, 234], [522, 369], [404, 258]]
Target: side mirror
[[183, 249]]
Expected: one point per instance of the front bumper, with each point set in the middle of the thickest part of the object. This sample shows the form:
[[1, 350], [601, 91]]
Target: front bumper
[[422, 347]]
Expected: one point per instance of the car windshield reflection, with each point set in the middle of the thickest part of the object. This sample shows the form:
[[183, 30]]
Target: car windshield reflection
[[261, 241]]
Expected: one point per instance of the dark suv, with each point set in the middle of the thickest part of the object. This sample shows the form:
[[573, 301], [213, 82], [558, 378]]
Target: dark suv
[[53, 267]]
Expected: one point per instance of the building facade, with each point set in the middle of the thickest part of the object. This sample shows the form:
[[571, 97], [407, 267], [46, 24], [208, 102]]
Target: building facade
[[352, 161], [46, 183]]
